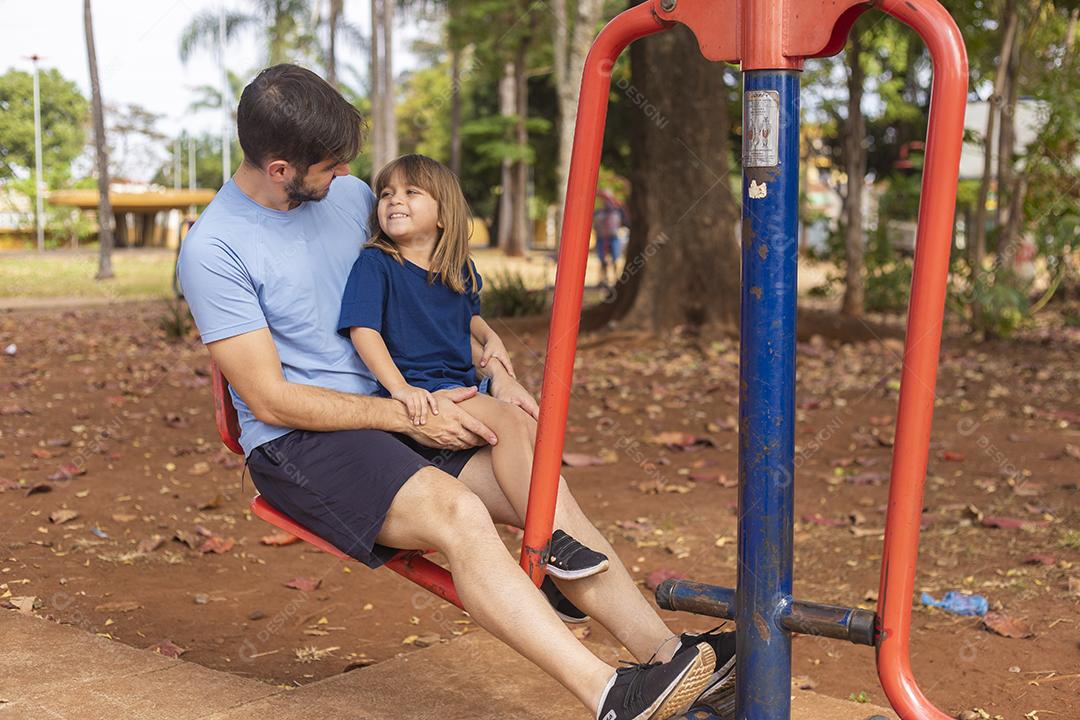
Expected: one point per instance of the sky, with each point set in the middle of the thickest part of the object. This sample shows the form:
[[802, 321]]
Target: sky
[[138, 50]]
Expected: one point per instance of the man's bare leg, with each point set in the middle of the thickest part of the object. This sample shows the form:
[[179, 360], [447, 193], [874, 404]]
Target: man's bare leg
[[612, 597], [435, 510]]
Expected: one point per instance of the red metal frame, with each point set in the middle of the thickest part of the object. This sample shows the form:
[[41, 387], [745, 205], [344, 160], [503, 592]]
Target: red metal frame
[[628, 26], [761, 34], [781, 34], [922, 346]]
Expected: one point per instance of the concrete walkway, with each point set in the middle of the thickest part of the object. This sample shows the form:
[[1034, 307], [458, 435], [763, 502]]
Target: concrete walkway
[[61, 672]]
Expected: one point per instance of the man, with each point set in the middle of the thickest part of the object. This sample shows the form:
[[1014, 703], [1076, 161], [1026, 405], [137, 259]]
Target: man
[[263, 271]]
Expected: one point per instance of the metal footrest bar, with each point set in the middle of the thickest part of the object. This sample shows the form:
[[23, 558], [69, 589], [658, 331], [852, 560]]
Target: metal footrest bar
[[800, 616]]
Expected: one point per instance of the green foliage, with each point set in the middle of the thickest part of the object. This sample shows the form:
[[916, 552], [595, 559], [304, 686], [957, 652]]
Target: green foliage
[[207, 162], [505, 294], [888, 275], [64, 113], [176, 321]]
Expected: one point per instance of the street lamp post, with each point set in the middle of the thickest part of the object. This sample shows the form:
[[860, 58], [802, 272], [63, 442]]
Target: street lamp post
[[39, 215], [226, 130]]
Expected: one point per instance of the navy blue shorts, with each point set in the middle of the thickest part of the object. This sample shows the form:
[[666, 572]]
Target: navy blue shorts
[[339, 485]]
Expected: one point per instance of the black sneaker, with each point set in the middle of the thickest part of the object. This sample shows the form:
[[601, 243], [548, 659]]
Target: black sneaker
[[657, 691], [719, 693], [570, 560], [566, 610]]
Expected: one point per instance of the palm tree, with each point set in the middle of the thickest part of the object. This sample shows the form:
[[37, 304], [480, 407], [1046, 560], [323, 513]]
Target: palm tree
[[286, 25], [337, 29], [105, 238]]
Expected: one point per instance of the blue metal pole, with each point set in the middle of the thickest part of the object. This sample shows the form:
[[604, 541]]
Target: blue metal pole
[[767, 391]]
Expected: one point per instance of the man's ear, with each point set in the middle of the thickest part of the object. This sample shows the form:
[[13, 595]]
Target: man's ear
[[278, 170]]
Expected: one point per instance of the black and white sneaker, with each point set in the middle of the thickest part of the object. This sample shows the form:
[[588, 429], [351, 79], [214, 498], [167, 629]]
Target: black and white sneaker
[[719, 693], [567, 611], [657, 691], [570, 560]]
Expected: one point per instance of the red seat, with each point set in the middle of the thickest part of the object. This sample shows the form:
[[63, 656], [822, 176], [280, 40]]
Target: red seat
[[275, 517], [410, 564]]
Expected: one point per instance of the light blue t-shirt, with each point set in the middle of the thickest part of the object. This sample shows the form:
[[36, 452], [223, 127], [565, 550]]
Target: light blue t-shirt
[[244, 266]]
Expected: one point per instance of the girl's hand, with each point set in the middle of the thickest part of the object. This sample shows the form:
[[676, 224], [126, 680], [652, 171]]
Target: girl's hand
[[416, 401], [494, 349]]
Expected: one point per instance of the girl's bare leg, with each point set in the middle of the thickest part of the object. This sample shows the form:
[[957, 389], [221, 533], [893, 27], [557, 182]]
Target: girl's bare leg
[[612, 597]]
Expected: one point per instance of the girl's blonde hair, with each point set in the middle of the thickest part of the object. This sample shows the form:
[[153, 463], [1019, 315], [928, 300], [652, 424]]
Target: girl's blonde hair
[[451, 254]]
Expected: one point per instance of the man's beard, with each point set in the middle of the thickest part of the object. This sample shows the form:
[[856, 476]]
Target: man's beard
[[298, 192]]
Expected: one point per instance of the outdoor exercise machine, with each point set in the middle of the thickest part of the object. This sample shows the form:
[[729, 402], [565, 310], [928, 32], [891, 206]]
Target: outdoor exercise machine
[[770, 39]]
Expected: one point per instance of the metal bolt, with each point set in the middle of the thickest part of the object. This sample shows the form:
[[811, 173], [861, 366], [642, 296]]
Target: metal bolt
[[667, 5]]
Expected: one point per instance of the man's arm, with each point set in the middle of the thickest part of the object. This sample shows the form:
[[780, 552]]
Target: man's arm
[[250, 362]]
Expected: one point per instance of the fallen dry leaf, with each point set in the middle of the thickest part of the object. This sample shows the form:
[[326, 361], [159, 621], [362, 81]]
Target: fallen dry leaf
[[67, 471], [304, 584], [1007, 626], [583, 460], [217, 544], [658, 576], [150, 544], [118, 606], [61, 516], [186, 538], [1011, 523], [168, 649], [279, 539]]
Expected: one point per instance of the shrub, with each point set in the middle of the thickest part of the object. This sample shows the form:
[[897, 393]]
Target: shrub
[[505, 294]]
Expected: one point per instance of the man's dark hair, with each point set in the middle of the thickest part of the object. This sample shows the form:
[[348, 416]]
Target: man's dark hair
[[290, 113]]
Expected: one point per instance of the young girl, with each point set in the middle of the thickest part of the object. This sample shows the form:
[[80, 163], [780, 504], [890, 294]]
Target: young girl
[[412, 309]]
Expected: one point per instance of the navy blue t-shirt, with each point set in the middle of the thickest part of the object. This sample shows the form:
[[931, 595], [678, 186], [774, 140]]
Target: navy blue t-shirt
[[425, 326]]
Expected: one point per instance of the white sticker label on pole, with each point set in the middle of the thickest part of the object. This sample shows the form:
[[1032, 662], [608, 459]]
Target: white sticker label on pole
[[761, 128]]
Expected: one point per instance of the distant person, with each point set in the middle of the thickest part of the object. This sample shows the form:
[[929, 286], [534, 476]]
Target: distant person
[[608, 221]]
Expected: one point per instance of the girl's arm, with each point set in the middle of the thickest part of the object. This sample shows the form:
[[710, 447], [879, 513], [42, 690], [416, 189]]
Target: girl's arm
[[372, 349], [492, 344]]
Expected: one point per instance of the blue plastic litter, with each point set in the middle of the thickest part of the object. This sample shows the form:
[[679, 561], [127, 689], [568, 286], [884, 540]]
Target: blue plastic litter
[[958, 603]]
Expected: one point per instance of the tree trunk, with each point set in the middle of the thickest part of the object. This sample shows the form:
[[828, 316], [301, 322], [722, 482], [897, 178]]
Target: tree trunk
[[682, 261], [336, 8], [519, 237], [105, 238], [855, 152], [378, 153], [455, 110], [978, 244], [1011, 235], [571, 47], [389, 103], [506, 197], [1007, 135]]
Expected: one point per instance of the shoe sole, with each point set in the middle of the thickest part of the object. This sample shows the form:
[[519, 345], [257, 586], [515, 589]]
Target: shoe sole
[[686, 688], [577, 574], [572, 619], [719, 692]]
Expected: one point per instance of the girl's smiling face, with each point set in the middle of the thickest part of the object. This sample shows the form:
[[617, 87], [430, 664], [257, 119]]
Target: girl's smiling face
[[408, 213]]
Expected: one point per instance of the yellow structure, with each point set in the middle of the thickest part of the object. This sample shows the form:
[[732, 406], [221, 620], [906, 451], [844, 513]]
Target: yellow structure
[[142, 207]]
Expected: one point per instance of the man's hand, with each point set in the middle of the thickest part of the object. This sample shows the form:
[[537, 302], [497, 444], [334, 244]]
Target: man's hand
[[452, 427], [506, 388]]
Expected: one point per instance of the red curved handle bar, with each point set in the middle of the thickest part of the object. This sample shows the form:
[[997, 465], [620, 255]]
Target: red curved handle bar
[[937, 205], [626, 27]]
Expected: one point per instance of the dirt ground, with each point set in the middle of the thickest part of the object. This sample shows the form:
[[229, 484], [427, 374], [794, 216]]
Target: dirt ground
[[123, 514]]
